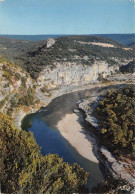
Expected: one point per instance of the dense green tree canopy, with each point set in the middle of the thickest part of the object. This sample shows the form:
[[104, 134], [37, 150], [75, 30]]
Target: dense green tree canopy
[[24, 169], [116, 114], [34, 56]]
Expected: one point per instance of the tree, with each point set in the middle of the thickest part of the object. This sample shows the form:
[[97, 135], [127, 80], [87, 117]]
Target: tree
[[25, 170], [117, 120]]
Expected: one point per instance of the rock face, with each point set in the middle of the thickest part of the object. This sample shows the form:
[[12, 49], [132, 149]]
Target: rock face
[[117, 168], [67, 73], [50, 42], [8, 85], [13, 82], [121, 169], [88, 106]]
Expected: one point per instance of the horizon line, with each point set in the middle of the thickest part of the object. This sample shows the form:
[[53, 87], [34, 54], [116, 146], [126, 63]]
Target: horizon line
[[62, 34]]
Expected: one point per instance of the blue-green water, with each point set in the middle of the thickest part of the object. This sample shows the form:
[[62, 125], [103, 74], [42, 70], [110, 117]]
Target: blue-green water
[[43, 125]]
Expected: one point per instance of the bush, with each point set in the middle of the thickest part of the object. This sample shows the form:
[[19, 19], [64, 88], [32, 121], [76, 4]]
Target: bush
[[25, 170], [17, 76], [117, 119]]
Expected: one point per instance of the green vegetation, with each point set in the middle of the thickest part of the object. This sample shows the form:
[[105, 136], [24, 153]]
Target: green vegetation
[[27, 99], [23, 80], [24, 99], [111, 186], [44, 89], [66, 48], [17, 76], [25, 170], [117, 120], [9, 71], [6, 62], [132, 45], [2, 102], [34, 56], [129, 68], [8, 75], [2, 59], [17, 101]]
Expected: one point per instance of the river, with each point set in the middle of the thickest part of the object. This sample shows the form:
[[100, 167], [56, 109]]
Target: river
[[43, 124]]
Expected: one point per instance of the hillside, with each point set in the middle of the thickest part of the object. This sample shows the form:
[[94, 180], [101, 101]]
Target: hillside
[[11, 48], [25, 170], [132, 45], [126, 39], [72, 60], [85, 50], [129, 68], [110, 115], [78, 49], [61, 65], [66, 61], [16, 88], [115, 113]]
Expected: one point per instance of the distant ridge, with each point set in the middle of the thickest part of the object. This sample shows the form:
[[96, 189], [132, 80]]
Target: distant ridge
[[32, 37], [126, 39]]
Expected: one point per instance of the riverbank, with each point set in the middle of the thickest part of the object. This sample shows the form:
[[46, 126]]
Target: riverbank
[[19, 115], [71, 129], [71, 122], [119, 168]]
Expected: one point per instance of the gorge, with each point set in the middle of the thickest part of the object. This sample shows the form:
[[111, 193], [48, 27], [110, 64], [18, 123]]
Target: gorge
[[50, 69]]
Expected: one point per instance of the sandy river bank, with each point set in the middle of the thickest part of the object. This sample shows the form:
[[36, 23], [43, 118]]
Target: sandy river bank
[[71, 130]]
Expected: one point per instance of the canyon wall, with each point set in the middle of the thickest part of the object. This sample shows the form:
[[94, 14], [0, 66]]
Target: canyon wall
[[67, 73]]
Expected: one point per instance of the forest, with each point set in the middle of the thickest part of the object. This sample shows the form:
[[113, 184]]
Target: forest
[[115, 113], [25, 170], [129, 68], [66, 48], [34, 56]]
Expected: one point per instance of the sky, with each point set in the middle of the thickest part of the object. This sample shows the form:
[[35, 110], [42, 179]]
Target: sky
[[33, 17]]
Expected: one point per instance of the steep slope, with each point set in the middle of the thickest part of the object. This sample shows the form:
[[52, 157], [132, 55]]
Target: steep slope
[[17, 91], [11, 48], [85, 50], [132, 45], [60, 65], [25, 170], [66, 61], [129, 68], [126, 39]]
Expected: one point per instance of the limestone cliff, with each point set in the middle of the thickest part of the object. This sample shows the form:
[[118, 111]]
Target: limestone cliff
[[14, 85], [68, 73]]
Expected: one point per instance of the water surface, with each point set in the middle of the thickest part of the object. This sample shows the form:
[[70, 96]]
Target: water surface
[[43, 125]]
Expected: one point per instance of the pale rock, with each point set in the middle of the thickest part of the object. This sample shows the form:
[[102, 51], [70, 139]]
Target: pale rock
[[50, 42]]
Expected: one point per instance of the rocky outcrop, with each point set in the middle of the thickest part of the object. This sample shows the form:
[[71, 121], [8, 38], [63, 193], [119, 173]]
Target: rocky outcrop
[[117, 168], [13, 82], [120, 169], [68, 73], [65, 77], [50, 42], [70, 76], [88, 106], [7, 82]]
